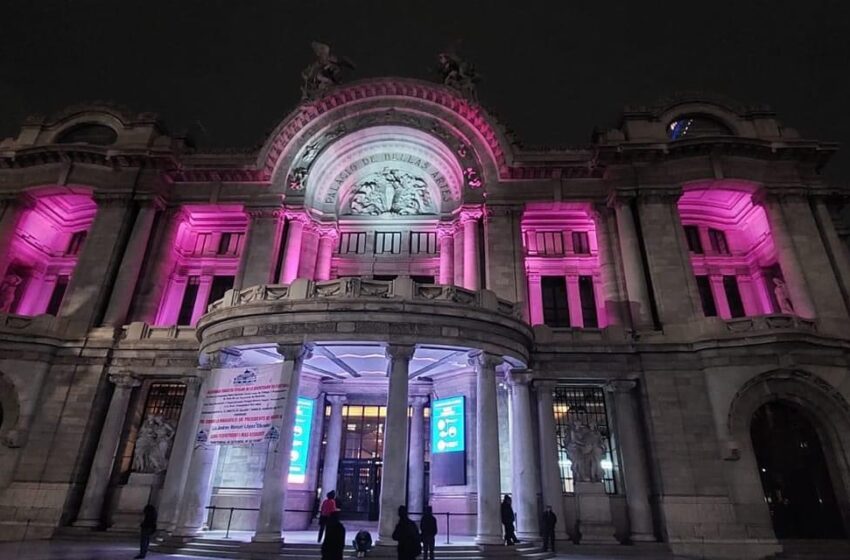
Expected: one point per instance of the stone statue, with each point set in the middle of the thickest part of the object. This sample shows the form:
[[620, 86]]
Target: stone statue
[[782, 298], [391, 192], [152, 445], [323, 72], [8, 291], [585, 448], [458, 75]]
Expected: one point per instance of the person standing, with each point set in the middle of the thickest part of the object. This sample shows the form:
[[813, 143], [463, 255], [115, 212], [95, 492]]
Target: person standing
[[428, 529], [508, 521], [550, 521], [407, 535], [327, 508], [334, 545], [147, 529]]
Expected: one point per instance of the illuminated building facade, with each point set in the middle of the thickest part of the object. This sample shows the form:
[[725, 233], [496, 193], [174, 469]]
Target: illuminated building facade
[[649, 333]]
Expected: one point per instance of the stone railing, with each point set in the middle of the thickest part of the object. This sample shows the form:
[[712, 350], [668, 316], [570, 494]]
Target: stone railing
[[362, 288], [768, 323]]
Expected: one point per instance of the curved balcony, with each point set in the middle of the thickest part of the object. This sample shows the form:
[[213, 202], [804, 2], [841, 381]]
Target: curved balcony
[[363, 310]]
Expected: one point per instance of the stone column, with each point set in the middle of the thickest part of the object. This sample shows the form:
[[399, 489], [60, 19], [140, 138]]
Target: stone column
[[471, 260], [292, 251], [107, 447], [535, 299], [202, 297], [273, 496], [327, 243], [487, 469], [635, 471], [550, 470], [131, 264], [89, 283], [526, 477], [394, 470], [795, 281], [574, 302], [198, 489], [446, 233], [840, 255], [181, 453], [416, 456], [641, 311], [333, 448], [610, 292], [257, 262]]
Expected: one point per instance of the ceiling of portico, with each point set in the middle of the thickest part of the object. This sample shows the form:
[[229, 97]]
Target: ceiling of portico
[[352, 361]]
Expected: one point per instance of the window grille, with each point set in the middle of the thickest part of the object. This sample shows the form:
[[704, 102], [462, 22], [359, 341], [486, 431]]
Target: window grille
[[423, 242], [352, 243], [387, 242], [550, 243], [581, 243], [586, 405]]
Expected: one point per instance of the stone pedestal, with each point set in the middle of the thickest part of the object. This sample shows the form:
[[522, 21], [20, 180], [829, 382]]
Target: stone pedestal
[[141, 489], [595, 523]]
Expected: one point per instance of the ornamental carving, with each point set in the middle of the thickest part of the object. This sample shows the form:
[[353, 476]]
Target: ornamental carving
[[391, 192], [585, 447], [153, 445]]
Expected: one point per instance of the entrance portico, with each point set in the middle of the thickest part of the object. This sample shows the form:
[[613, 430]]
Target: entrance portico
[[393, 344]]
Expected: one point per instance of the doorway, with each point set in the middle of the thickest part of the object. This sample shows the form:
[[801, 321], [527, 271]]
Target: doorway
[[794, 474]]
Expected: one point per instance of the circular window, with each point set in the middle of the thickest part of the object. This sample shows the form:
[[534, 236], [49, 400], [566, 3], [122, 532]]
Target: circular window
[[696, 125], [98, 134]]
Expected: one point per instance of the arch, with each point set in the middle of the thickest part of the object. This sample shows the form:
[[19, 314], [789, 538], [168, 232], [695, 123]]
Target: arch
[[694, 125], [88, 133], [76, 117], [820, 402]]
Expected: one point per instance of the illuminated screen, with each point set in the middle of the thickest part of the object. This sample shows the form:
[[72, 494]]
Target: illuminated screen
[[301, 440], [448, 425]]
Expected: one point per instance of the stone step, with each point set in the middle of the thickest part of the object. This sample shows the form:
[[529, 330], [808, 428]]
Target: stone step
[[815, 550]]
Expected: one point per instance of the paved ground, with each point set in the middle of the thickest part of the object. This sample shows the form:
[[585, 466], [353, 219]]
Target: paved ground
[[72, 550]]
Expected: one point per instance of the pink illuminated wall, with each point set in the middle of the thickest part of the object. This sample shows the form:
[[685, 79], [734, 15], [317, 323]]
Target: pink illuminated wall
[[749, 254], [560, 243], [44, 250], [204, 260]]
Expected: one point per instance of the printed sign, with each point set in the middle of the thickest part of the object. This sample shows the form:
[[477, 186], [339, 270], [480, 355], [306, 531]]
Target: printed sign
[[301, 440], [241, 405], [448, 433]]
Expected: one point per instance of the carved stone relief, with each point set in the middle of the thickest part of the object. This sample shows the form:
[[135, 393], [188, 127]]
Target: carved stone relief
[[391, 192]]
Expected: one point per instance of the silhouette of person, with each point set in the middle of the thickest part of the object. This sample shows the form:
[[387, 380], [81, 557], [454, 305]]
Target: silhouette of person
[[508, 521], [428, 528], [147, 529], [334, 545], [325, 510], [550, 521], [406, 534]]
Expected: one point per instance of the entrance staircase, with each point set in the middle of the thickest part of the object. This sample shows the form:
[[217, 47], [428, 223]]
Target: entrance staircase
[[814, 550], [224, 548]]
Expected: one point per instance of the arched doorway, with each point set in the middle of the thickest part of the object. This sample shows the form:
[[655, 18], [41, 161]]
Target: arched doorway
[[794, 474]]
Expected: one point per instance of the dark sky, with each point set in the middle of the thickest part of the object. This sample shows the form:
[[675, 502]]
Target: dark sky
[[229, 71]]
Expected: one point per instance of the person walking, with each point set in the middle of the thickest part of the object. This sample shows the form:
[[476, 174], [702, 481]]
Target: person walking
[[325, 510], [406, 534], [334, 544], [147, 529], [550, 521], [428, 529], [508, 521]]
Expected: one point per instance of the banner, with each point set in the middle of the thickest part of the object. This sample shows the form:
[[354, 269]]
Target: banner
[[301, 440], [448, 441], [242, 405]]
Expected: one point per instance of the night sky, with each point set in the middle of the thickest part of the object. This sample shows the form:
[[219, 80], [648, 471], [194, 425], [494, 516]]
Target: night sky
[[228, 72]]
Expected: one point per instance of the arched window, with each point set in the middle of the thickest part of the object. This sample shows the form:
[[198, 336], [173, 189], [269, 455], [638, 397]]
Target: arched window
[[88, 133], [692, 126]]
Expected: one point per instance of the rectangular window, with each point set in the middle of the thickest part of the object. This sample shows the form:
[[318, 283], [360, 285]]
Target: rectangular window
[[550, 243], [733, 296], [352, 243], [718, 241], [581, 245], [57, 295], [556, 312], [588, 301], [583, 407], [75, 244], [694, 242], [387, 242], [423, 243], [220, 284], [228, 243], [188, 303], [201, 243], [164, 400], [709, 308]]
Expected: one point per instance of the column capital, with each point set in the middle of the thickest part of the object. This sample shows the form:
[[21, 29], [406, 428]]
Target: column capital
[[479, 358], [400, 351], [124, 381], [620, 385], [336, 399], [263, 212], [192, 381], [327, 231], [446, 230], [418, 401], [471, 213], [518, 376], [297, 215], [291, 352]]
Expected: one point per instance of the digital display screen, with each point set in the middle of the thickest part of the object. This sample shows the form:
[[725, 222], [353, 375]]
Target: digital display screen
[[448, 425], [301, 440]]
